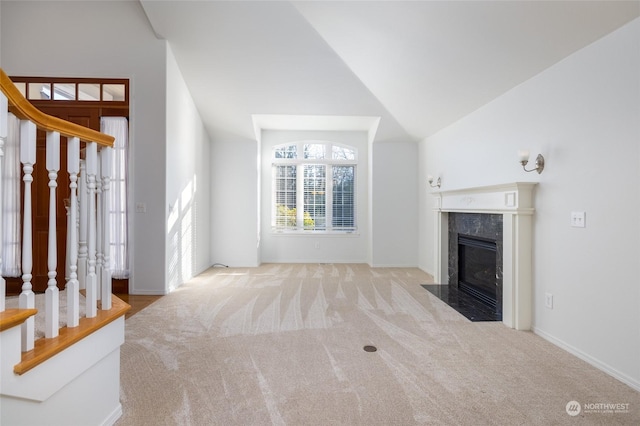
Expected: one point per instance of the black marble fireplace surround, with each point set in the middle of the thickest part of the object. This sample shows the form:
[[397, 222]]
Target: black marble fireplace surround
[[488, 229]]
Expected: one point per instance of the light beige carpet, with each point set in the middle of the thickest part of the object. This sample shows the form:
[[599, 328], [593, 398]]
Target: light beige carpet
[[13, 302], [283, 344]]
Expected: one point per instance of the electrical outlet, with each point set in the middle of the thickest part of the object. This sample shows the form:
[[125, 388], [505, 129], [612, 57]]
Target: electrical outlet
[[578, 219], [548, 300]]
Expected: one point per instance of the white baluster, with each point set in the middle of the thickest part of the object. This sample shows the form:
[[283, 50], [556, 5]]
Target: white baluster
[[83, 199], [107, 155], [27, 298], [67, 256], [3, 137], [73, 287], [99, 255], [52, 299], [92, 166]]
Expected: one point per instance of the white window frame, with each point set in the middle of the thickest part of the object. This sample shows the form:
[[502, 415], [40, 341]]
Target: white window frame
[[328, 162]]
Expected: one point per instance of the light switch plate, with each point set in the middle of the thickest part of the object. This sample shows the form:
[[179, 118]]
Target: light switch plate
[[548, 300]]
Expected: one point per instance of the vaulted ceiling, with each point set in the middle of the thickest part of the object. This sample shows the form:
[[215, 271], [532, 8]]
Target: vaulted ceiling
[[419, 65]]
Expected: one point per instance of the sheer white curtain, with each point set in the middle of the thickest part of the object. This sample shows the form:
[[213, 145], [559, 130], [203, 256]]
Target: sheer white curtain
[[118, 127], [11, 250]]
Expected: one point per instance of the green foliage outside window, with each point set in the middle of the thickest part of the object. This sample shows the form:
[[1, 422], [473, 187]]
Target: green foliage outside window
[[286, 218]]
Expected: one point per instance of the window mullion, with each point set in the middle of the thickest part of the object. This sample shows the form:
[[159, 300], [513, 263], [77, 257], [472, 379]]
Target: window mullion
[[328, 200], [300, 197]]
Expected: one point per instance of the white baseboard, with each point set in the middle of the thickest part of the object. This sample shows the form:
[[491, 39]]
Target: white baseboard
[[314, 261], [113, 417], [630, 381], [392, 265], [147, 292]]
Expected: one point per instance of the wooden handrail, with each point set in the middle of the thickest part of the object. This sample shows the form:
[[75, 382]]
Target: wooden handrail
[[14, 317], [24, 110]]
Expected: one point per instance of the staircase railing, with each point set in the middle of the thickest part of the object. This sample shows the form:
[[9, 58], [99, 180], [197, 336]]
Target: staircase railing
[[88, 265]]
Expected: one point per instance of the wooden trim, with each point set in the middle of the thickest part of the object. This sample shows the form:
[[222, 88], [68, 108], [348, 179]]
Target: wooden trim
[[14, 317], [109, 110], [76, 80], [47, 348], [77, 103], [26, 111]]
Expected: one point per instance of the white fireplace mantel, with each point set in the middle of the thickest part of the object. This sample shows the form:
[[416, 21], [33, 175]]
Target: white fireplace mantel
[[515, 202]]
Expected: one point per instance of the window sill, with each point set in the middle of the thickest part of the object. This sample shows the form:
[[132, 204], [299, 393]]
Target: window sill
[[330, 234]]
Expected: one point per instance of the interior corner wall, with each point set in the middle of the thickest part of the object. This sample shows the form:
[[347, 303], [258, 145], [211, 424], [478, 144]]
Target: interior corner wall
[[394, 204], [234, 200], [188, 183], [582, 114], [131, 51]]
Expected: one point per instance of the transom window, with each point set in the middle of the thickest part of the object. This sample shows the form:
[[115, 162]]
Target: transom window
[[314, 184], [109, 91]]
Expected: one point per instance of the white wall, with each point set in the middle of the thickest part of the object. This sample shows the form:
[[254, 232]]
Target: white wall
[[188, 183], [387, 179], [106, 39], [327, 248], [0, 34], [394, 236], [234, 200], [583, 115]]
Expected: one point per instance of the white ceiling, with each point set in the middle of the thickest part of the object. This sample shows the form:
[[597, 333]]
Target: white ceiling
[[419, 65]]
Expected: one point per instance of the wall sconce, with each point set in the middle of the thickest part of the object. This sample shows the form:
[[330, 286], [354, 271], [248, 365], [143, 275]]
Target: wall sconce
[[524, 159], [438, 182]]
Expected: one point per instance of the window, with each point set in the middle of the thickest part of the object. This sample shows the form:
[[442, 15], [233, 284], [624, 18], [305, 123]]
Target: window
[[104, 91], [314, 187]]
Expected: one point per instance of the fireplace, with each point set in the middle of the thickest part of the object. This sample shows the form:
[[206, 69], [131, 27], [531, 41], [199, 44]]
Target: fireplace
[[509, 209]]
